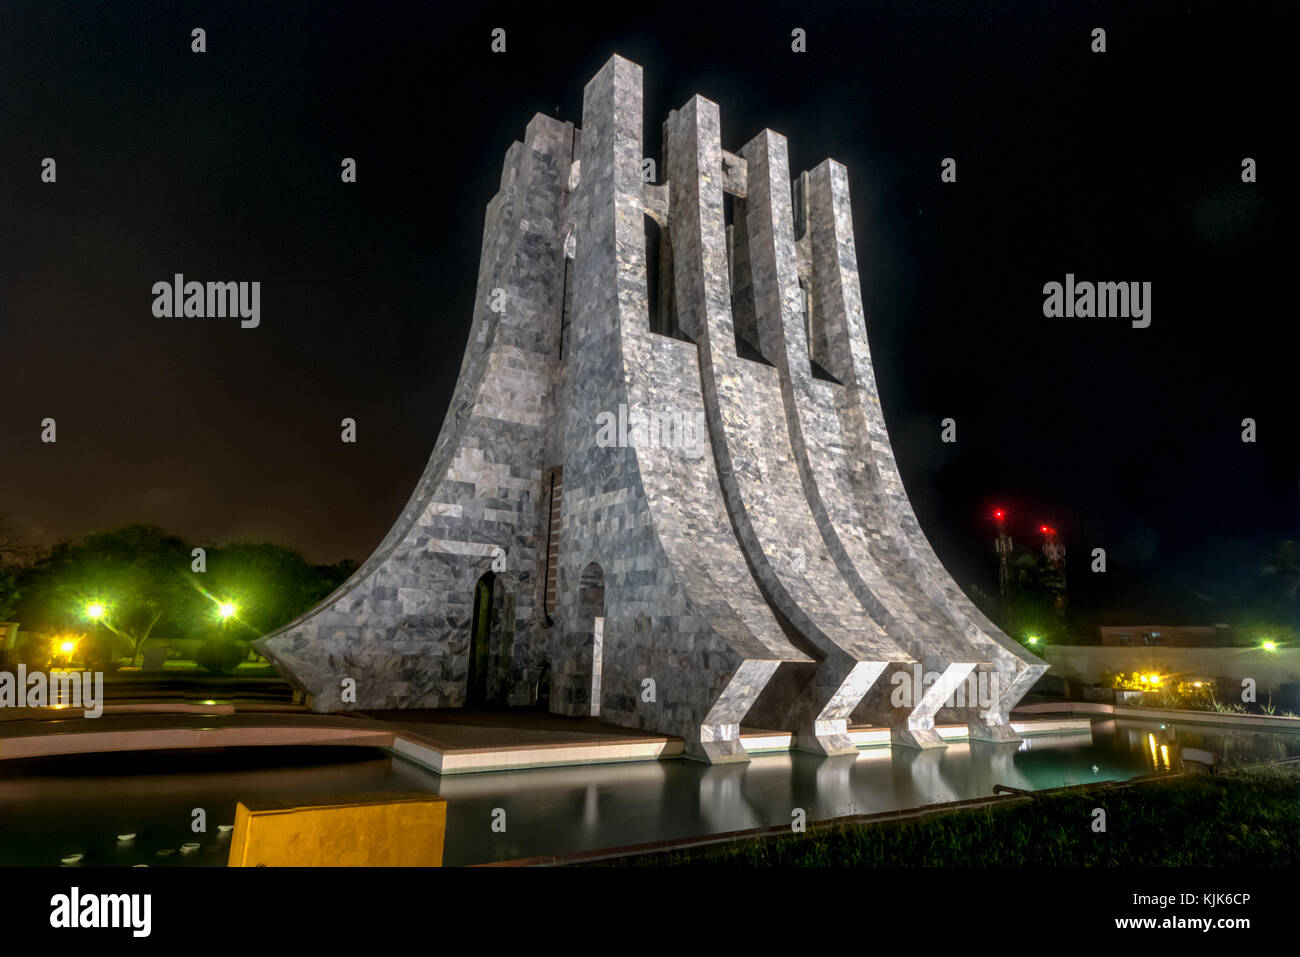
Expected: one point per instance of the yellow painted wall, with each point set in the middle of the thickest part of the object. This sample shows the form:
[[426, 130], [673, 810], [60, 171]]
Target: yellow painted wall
[[360, 831]]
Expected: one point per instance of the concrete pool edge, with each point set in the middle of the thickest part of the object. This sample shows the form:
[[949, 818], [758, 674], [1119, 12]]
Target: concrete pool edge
[[1258, 722], [469, 760], [757, 742], [418, 744]]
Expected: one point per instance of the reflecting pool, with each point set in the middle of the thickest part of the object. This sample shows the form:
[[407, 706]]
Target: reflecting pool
[[53, 809]]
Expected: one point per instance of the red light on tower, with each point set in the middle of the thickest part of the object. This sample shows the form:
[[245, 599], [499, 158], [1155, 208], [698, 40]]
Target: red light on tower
[[1055, 553], [1002, 544]]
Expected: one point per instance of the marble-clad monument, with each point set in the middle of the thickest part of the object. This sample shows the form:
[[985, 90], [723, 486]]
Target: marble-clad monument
[[664, 493]]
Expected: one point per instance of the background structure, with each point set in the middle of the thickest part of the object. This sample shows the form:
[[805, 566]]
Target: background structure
[[225, 166]]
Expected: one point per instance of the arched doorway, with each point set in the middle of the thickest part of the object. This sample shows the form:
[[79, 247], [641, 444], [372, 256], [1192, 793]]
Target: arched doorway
[[480, 642]]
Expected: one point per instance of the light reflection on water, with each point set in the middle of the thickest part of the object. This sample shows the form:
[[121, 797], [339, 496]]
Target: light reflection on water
[[52, 809]]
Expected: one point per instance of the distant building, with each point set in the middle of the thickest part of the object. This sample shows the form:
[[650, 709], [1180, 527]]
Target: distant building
[[1167, 636]]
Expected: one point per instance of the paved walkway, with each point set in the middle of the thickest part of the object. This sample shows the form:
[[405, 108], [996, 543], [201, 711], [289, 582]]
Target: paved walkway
[[35, 737], [456, 729], [445, 741]]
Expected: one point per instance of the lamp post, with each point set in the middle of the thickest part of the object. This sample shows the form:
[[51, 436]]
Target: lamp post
[[95, 611]]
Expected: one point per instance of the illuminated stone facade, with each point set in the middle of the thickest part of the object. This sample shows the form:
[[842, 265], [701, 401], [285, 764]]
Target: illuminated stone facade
[[664, 492]]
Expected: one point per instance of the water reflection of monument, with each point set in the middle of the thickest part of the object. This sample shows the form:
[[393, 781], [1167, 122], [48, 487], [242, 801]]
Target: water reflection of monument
[[570, 809]]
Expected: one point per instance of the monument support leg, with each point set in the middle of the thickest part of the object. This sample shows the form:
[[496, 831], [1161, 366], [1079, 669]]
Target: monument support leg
[[719, 735], [917, 730], [995, 723], [828, 731]]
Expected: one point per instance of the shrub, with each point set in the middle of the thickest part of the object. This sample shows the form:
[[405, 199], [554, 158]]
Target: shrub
[[1288, 693], [220, 655], [100, 652], [34, 653], [1170, 698]]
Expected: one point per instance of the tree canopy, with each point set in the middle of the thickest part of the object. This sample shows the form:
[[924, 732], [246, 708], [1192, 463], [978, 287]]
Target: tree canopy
[[138, 582]]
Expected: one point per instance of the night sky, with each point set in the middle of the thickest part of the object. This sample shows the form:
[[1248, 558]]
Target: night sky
[[1122, 166]]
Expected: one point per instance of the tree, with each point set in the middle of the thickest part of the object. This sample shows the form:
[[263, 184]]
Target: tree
[[13, 549], [1030, 607], [143, 579], [1023, 615], [13, 545], [268, 584], [136, 574], [1280, 572], [1253, 627], [8, 591]]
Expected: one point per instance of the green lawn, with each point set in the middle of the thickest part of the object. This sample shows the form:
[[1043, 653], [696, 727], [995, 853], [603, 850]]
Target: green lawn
[[245, 669], [1247, 817]]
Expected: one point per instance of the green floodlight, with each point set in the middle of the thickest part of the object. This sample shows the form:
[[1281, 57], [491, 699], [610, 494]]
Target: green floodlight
[[95, 610], [1269, 646], [1032, 639], [226, 609]]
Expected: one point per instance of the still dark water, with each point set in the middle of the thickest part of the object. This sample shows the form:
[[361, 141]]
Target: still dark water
[[54, 808]]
